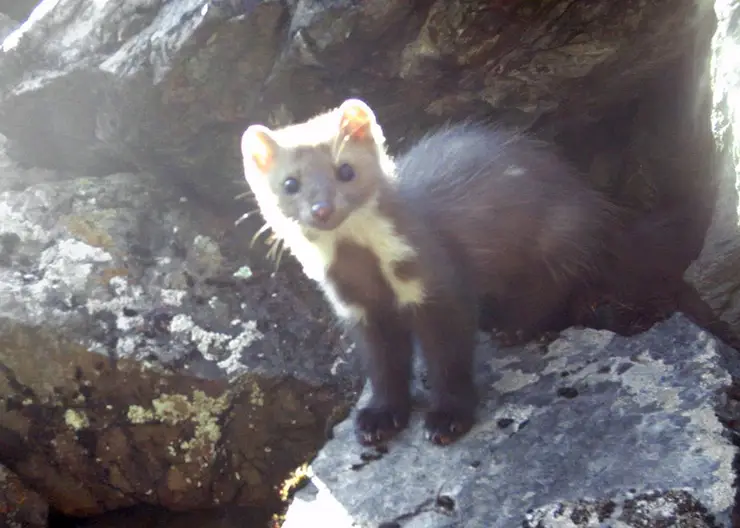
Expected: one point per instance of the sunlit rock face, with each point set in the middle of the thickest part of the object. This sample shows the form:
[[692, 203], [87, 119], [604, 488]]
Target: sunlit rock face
[[715, 272]]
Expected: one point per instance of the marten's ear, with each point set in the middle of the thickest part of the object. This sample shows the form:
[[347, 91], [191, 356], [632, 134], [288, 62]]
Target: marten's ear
[[356, 120], [260, 146]]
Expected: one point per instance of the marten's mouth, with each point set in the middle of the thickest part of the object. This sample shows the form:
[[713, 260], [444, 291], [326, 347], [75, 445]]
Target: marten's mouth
[[324, 224], [316, 227]]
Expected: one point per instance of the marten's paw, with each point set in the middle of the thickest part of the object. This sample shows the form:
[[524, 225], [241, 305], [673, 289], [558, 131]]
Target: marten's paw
[[377, 425], [445, 425]]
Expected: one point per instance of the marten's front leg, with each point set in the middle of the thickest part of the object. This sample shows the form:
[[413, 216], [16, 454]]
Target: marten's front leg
[[446, 331], [386, 346]]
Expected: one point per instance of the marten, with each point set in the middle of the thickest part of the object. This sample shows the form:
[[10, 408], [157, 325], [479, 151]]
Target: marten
[[408, 250]]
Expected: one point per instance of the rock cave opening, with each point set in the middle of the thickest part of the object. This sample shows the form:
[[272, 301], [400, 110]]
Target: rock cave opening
[[652, 150]]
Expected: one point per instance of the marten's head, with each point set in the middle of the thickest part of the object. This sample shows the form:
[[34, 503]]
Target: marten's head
[[316, 173]]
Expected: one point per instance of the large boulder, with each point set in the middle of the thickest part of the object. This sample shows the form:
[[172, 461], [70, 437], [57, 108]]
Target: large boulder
[[592, 430], [139, 361]]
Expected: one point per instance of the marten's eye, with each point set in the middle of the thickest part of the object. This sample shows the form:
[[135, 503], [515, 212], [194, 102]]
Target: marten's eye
[[345, 172], [291, 185]]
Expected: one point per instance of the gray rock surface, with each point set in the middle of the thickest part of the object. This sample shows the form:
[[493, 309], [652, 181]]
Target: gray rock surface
[[104, 257], [594, 430], [714, 273]]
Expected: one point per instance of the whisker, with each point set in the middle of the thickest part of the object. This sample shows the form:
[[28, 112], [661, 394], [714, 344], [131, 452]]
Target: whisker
[[280, 254], [245, 194], [338, 151], [334, 143], [261, 230], [274, 242], [243, 217]]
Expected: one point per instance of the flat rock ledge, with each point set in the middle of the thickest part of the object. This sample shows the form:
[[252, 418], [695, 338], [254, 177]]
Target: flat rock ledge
[[591, 430]]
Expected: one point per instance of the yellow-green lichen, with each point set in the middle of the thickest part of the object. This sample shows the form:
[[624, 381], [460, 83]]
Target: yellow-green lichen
[[172, 408], [256, 396], [297, 479], [138, 415], [76, 420], [206, 412], [203, 411]]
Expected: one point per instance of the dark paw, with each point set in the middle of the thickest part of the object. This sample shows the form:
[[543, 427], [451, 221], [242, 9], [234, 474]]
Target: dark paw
[[376, 425], [444, 426]]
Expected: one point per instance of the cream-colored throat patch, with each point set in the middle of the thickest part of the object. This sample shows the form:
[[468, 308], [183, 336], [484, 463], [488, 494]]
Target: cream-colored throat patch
[[369, 228]]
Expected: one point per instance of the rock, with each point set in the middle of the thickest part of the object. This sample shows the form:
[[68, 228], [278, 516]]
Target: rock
[[7, 26], [161, 518], [17, 9], [714, 273], [19, 506], [665, 508], [101, 436], [155, 85], [134, 367], [121, 80], [595, 426]]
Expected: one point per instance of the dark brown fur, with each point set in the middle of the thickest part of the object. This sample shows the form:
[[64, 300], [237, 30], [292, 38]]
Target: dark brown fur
[[497, 220], [523, 228], [499, 226]]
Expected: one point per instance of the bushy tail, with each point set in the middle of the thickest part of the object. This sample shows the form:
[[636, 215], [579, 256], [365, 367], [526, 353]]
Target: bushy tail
[[655, 246], [650, 256]]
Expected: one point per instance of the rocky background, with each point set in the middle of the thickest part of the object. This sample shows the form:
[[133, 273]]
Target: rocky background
[[155, 368]]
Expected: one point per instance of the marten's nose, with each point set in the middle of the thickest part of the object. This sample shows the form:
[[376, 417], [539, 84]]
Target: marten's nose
[[321, 211]]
